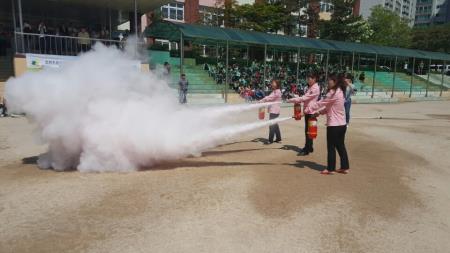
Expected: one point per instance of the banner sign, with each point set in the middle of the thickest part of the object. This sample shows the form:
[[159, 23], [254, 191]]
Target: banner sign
[[41, 61], [36, 62]]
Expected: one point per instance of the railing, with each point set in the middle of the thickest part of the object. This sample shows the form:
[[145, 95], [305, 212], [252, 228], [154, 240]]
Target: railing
[[58, 45]]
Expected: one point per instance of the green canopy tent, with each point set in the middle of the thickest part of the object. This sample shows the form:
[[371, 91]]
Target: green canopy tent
[[209, 35]]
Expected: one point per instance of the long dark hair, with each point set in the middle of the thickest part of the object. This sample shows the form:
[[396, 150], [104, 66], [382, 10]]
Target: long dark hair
[[349, 76], [339, 80], [314, 75], [277, 82]]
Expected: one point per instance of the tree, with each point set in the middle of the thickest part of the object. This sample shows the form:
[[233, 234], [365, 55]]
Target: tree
[[289, 21], [312, 21], [259, 17], [343, 25], [228, 12], [434, 38], [389, 29]]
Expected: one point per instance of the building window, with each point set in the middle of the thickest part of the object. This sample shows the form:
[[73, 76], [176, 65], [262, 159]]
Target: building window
[[326, 6], [173, 11]]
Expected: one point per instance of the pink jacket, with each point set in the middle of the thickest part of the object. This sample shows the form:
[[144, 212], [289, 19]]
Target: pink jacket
[[310, 97], [275, 96], [333, 106]]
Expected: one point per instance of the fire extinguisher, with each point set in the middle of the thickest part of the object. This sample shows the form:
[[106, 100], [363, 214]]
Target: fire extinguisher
[[312, 127], [261, 113], [297, 111]]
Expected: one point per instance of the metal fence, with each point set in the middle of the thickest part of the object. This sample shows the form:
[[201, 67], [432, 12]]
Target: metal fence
[[58, 45]]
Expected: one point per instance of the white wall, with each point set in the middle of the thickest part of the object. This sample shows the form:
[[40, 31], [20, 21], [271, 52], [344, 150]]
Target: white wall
[[366, 5]]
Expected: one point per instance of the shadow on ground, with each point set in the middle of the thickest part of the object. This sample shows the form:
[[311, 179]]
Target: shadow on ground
[[224, 152], [188, 164], [291, 147], [30, 160], [307, 164]]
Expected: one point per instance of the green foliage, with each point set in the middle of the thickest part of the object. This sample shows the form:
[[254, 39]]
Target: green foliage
[[259, 17], [229, 12], [389, 29], [343, 25], [312, 20], [434, 38]]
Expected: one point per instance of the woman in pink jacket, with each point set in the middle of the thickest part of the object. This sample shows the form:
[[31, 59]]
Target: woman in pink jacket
[[308, 99], [333, 106], [274, 111]]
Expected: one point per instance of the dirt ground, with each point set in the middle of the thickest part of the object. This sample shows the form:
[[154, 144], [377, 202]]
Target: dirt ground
[[244, 196]]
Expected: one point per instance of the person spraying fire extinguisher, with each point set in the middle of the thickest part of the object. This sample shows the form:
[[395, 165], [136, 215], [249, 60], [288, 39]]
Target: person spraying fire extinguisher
[[333, 106], [274, 111], [310, 96]]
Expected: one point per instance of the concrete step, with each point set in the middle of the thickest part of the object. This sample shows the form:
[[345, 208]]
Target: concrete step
[[200, 99], [200, 96]]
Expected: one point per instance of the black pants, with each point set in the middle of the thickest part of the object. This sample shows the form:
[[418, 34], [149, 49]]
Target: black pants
[[308, 141], [335, 141], [274, 129], [3, 110]]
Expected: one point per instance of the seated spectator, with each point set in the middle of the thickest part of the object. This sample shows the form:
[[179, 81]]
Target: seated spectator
[[84, 40], [166, 70], [362, 77], [259, 94], [104, 34], [42, 29], [236, 86], [27, 28]]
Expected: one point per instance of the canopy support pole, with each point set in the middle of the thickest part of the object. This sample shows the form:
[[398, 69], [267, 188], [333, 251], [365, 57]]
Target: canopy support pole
[[135, 19], [265, 65], [374, 75], [393, 77], [442, 80], [217, 61], [110, 22], [298, 65], [181, 53], [412, 76], [248, 54], [428, 77], [136, 30], [353, 63], [390, 64], [359, 62], [15, 23], [19, 6], [226, 76], [217, 54], [326, 65]]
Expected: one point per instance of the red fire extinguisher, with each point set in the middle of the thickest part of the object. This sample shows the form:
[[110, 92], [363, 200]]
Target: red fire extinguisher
[[297, 111], [261, 113], [312, 127]]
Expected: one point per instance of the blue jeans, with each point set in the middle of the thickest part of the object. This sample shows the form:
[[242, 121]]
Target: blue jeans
[[274, 130], [347, 105], [183, 96]]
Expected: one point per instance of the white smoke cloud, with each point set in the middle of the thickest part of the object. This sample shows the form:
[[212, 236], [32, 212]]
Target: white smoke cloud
[[100, 113]]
